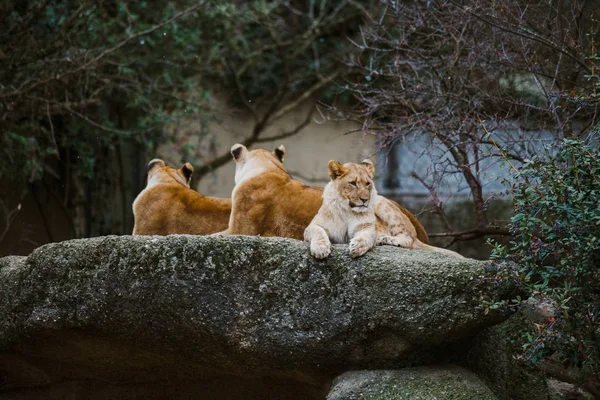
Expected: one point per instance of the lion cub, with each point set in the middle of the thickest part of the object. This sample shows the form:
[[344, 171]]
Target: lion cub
[[347, 214]]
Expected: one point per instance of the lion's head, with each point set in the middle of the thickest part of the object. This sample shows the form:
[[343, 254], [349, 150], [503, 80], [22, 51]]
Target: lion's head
[[249, 163], [158, 172], [353, 184]]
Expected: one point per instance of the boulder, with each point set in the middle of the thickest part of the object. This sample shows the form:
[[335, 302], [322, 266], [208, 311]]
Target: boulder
[[559, 390], [492, 356], [139, 310], [424, 383], [498, 357]]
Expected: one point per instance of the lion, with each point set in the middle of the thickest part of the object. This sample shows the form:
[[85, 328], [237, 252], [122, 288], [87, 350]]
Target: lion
[[167, 205], [352, 212], [267, 201], [347, 214]]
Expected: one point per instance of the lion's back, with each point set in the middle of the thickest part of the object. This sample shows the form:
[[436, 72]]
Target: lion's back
[[274, 204], [166, 209]]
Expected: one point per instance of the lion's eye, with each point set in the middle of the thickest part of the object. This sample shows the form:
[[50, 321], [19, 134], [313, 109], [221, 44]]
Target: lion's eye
[[369, 184], [353, 183]]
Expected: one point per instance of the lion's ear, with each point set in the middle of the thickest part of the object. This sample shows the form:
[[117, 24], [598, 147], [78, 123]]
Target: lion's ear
[[237, 150], [279, 153], [187, 170], [368, 164], [335, 169], [157, 162]]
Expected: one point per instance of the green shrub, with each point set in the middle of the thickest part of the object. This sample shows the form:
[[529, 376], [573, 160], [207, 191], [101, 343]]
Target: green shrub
[[555, 253]]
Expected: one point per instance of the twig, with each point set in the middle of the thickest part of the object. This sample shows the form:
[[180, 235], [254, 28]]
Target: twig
[[100, 126], [489, 134], [437, 204], [532, 36], [52, 129], [474, 233], [294, 131], [304, 96], [10, 217], [267, 118]]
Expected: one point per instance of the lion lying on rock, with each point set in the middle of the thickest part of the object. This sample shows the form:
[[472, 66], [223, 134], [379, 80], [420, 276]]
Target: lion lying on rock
[[348, 215], [167, 205], [267, 201]]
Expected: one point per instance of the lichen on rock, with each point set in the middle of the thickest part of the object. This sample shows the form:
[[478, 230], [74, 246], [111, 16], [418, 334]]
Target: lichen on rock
[[424, 383], [244, 306]]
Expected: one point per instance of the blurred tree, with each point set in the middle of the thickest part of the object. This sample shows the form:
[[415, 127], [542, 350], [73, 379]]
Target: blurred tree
[[481, 81], [82, 82], [512, 81]]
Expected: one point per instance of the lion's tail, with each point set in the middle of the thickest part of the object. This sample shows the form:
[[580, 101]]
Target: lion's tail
[[417, 244]]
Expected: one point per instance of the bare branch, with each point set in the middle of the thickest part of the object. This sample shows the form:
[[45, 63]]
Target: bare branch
[[527, 35], [9, 217], [96, 124], [474, 233], [306, 95], [437, 204], [424, 76], [293, 132]]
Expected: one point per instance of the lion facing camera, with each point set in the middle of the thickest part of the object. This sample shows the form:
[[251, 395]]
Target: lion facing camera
[[352, 212]]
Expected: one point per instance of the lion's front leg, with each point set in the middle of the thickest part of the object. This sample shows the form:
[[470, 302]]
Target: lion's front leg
[[320, 245], [362, 241]]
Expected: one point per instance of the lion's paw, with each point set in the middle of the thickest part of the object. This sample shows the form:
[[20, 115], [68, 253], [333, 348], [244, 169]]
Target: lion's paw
[[401, 240], [320, 249], [358, 247]]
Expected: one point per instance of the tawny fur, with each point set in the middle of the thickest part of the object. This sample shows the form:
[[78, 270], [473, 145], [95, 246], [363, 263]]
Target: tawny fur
[[167, 205], [341, 219], [267, 201], [347, 214], [397, 229]]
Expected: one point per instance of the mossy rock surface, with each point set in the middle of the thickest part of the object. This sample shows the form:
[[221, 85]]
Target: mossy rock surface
[[423, 383], [137, 309], [492, 356]]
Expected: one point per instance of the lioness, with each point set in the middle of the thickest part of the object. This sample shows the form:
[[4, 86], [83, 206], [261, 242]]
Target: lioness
[[167, 205], [347, 213], [352, 212], [267, 201]]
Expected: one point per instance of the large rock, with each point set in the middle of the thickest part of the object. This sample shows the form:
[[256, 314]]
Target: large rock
[[492, 355], [425, 383], [131, 310]]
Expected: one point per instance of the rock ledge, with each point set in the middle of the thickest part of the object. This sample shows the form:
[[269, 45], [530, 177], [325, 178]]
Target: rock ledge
[[145, 309]]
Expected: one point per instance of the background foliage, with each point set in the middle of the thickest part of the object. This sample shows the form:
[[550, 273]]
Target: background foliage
[[474, 83], [555, 253], [88, 88]]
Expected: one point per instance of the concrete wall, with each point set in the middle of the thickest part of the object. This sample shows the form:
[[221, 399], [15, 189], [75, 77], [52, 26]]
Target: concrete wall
[[42, 219], [307, 153]]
